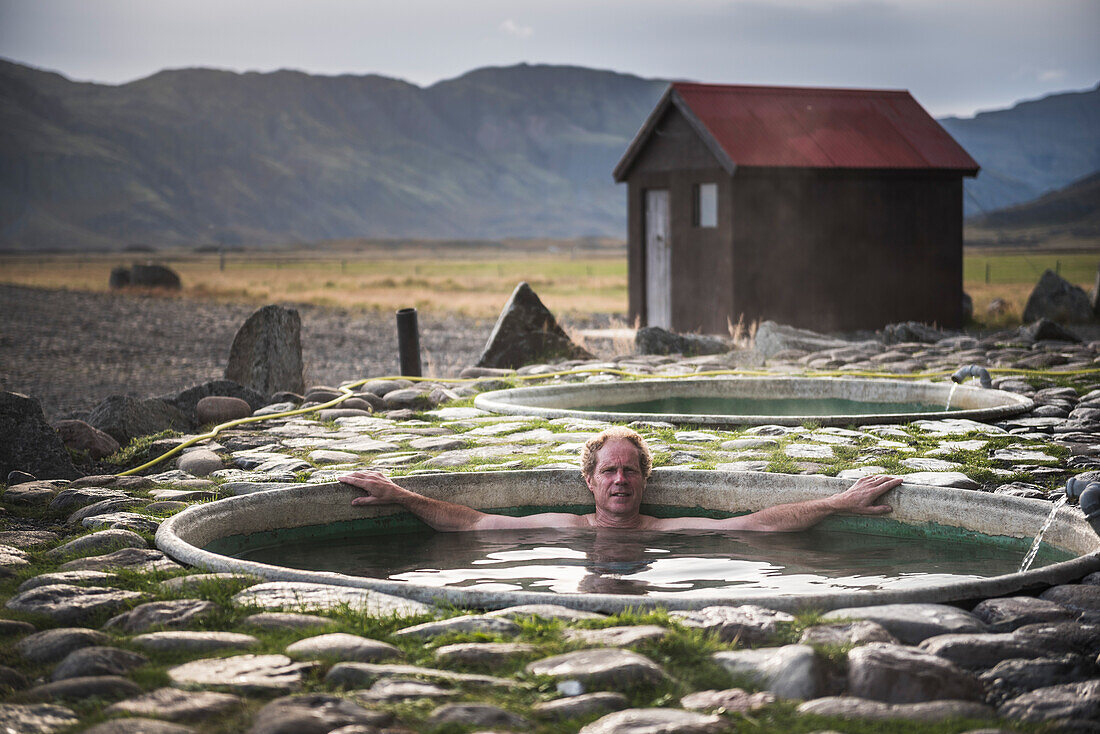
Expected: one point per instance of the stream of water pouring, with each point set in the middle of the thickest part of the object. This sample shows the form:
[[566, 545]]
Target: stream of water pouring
[[1039, 538], [951, 395]]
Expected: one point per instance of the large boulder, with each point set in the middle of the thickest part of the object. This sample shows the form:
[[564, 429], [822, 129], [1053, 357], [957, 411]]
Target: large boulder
[[1057, 299], [772, 338], [80, 436], [125, 418], [527, 332], [267, 352], [120, 277], [655, 340], [28, 443], [154, 276]]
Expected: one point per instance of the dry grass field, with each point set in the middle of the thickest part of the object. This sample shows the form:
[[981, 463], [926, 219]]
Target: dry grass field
[[474, 279]]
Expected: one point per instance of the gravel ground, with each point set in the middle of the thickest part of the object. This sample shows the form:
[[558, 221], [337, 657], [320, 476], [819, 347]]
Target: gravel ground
[[70, 350]]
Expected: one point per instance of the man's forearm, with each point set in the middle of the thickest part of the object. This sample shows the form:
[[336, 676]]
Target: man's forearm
[[790, 517], [439, 514]]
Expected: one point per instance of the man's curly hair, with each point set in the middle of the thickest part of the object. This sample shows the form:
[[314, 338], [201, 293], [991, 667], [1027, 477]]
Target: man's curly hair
[[593, 445]]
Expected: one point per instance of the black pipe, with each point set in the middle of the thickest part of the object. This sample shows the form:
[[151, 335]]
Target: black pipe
[[408, 342]]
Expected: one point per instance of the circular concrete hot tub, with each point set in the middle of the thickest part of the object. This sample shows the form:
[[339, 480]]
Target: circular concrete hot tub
[[201, 534], [829, 401]]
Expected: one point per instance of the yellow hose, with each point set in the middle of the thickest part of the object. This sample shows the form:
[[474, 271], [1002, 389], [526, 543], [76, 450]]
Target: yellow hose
[[346, 389]]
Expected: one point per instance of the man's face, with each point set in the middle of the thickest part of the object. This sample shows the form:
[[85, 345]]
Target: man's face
[[617, 483]]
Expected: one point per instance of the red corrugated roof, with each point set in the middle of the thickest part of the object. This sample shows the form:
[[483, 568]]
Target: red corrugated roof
[[814, 128]]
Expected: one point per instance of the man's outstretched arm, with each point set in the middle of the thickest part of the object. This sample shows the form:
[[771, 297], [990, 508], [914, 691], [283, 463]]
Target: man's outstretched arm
[[447, 516], [859, 499]]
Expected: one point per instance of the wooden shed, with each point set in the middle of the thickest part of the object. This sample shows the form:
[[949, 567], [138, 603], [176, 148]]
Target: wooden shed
[[828, 209]]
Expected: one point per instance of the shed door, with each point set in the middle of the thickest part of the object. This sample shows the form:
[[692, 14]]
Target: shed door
[[658, 260]]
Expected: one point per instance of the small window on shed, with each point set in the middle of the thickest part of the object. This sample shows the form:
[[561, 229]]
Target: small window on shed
[[706, 205]]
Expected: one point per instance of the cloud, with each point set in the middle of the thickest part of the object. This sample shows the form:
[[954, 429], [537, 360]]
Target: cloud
[[513, 28]]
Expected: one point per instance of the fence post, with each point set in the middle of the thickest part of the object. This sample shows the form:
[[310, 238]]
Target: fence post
[[987, 273]]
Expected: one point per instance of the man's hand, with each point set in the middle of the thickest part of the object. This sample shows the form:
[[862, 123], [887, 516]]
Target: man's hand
[[860, 498], [376, 487]]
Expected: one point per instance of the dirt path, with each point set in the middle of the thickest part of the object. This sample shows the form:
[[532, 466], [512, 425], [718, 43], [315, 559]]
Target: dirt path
[[70, 349]]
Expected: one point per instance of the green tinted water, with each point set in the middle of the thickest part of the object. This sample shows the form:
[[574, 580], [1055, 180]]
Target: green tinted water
[[879, 554], [763, 406]]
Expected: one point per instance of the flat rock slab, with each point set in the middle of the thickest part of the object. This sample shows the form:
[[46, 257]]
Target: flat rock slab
[[89, 661], [134, 521], [1076, 597], [390, 690], [189, 641], [70, 499], [246, 673], [912, 623], [476, 714], [1011, 678], [35, 719], [730, 699], [1067, 701], [27, 538], [862, 708], [287, 621], [546, 611], [188, 583], [897, 674], [50, 646], [315, 712], [1063, 637], [1010, 613], [109, 687], [601, 667], [468, 623], [983, 650], [66, 603], [847, 633], [172, 614], [138, 726], [955, 479], [98, 543], [665, 721], [344, 647], [618, 636], [314, 597], [483, 653], [10, 556], [137, 559], [585, 704], [351, 675], [747, 623], [791, 671], [175, 704]]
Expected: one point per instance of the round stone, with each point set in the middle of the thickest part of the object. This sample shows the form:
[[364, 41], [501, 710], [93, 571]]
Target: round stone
[[194, 641], [221, 409], [343, 646], [200, 463], [176, 705], [89, 661], [248, 673], [66, 603]]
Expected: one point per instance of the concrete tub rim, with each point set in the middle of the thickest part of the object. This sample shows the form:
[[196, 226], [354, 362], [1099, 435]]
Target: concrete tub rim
[[510, 401], [172, 534]]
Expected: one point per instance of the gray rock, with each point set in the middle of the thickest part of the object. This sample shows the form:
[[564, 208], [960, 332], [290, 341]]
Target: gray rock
[[896, 674], [655, 340], [603, 667], [912, 623], [176, 705], [410, 398], [772, 338], [910, 331], [34, 494], [980, 650], [791, 671], [267, 352], [1063, 637], [1009, 613], [171, 614], [476, 714], [389, 690], [1012, 678], [99, 543], [287, 621], [210, 580], [1066, 701], [89, 661], [11, 557], [65, 603], [469, 623], [103, 507], [126, 418], [187, 401], [30, 444], [954, 479], [525, 333], [151, 275], [665, 721], [861, 708], [618, 636], [246, 673], [109, 687], [730, 699], [11, 679], [746, 623], [142, 559], [351, 675], [200, 463], [1057, 299], [35, 719], [193, 641], [50, 646], [307, 596], [122, 521], [343, 646], [138, 726], [483, 653], [1075, 597], [315, 713], [586, 704], [10, 627], [80, 436], [847, 633], [27, 538]]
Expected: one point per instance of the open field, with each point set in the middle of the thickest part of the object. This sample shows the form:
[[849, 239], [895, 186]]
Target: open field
[[473, 279]]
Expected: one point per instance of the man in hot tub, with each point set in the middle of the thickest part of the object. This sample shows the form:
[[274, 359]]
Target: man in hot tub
[[615, 465]]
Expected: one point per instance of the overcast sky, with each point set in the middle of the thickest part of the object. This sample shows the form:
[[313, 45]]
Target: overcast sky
[[955, 56]]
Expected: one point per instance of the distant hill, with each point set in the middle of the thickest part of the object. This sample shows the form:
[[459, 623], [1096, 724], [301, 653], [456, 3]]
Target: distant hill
[[198, 156], [1074, 208]]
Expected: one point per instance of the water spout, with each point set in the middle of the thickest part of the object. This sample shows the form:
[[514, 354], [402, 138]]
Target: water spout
[[973, 370], [1030, 557], [954, 386]]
